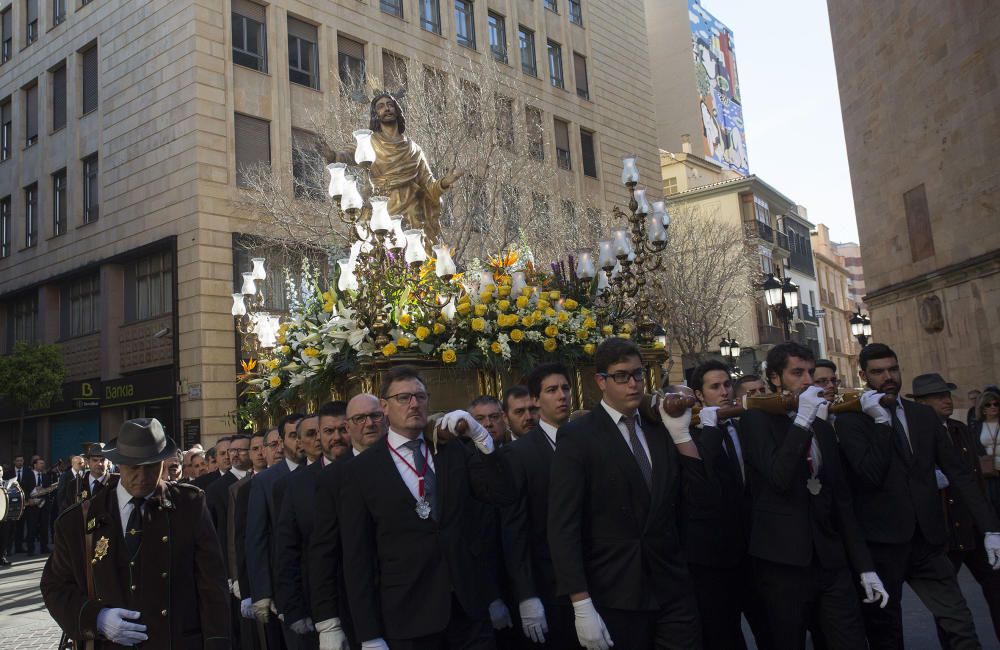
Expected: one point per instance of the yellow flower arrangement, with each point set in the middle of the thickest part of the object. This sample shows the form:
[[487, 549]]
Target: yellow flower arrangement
[[528, 320], [271, 364], [422, 332], [478, 324], [439, 328], [608, 330], [549, 345], [589, 349], [310, 352], [389, 349], [284, 349], [485, 297], [495, 347], [550, 312], [405, 320], [275, 381], [503, 305], [553, 295], [463, 308], [328, 307], [626, 328], [570, 304], [589, 323], [542, 304], [449, 356], [563, 316], [480, 309], [521, 302], [582, 334], [403, 342], [516, 335], [504, 291], [551, 331]]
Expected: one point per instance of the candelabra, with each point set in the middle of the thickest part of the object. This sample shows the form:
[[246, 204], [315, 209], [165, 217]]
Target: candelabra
[[258, 329]]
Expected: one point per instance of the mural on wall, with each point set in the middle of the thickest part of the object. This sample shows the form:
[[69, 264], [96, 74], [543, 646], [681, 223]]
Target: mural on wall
[[723, 136]]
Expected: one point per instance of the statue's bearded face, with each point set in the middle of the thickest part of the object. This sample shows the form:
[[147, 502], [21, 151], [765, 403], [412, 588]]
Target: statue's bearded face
[[386, 110]]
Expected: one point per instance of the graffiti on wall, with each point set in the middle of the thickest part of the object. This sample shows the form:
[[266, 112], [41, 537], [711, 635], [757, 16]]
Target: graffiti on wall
[[723, 135]]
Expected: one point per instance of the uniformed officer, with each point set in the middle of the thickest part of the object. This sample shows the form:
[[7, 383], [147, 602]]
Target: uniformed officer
[[139, 563]]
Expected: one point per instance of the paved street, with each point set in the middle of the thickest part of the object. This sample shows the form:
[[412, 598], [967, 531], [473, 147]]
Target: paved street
[[25, 625]]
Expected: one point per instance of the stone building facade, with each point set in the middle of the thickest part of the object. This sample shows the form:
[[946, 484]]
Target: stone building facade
[[919, 94], [833, 279], [122, 124]]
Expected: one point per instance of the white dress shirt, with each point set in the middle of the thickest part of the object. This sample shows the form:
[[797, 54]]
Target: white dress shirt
[[397, 442], [125, 505], [550, 431], [616, 417], [238, 473], [292, 465], [734, 436], [103, 481], [901, 414]]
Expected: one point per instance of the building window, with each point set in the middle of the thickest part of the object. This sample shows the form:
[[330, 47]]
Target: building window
[[394, 74], [498, 36], [670, 185], [302, 61], [552, 5], [465, 23], [430, 15], [31, 115], [575, 12], [505, 122], [59, 202], [30, 21], [563, 158], [91, 203], [253, 146], [81, 304], [6, 129], [535, 132], [5, 226], [149, 287], [59, 97], [31, 215], [526, 37], [351, 67], [7, 34], [58, 11], [308, 169], [555, 65], [249, 35], [89, 86], [580, 68], [588, 153], [392, 7], [24, 315]]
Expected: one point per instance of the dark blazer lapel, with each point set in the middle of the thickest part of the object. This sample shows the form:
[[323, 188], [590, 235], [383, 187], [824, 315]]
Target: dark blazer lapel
[[396, 484], [540, 440], [620, 453], [920, 443]]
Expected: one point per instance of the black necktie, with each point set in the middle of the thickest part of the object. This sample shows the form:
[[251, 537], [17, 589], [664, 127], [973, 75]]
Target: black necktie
[[730, 447], [133, 532], [904, 441], [638, 451]]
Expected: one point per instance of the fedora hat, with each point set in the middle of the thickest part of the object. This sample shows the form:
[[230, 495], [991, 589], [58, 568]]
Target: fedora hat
[[930, 384], [92, 449], [140, 442]]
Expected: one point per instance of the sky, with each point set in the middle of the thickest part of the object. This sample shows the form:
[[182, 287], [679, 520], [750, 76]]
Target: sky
[[791, 105]]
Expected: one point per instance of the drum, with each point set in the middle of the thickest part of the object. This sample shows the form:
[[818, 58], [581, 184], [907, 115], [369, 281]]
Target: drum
[[11, 502]]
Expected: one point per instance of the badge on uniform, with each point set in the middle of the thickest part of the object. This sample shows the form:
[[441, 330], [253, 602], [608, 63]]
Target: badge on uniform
[[91, 524], [100, 549], [83, 494], [814, 486]]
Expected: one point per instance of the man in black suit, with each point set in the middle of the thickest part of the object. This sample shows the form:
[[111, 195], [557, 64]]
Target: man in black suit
[[219, 457], [408, 527], [36, 508], [520, 410], [716, 515], [297, 521], [546, 619], [366, 425], [612, 518], [891, 454], [804, 538], [70, 483]]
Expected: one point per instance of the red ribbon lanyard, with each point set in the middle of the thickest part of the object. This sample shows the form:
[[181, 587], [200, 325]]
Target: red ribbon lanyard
[[420, 476]]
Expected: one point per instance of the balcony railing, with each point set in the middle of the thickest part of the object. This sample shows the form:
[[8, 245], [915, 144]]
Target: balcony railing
[[768, 334], [782, 240], [765, 231]]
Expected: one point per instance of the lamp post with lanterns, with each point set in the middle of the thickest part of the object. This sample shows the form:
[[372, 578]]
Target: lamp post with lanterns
[[730, 349], [861, 327], [783, 297]]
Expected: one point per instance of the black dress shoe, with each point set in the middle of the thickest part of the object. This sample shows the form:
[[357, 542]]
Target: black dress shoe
[[4, 561]]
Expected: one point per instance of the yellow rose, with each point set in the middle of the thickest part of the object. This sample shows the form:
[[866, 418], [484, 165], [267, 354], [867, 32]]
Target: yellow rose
[[589, 349], [271, 364], [464, 308], [528, 321], [464, 298], [478, 324], [281, 338], [284, 349], [551, 330], [522, 302], [624, 335], [403, 342], [550, 312], [480, 309], [503, 305], [388, 349], [582, 334], [536, 315], [439, 328], [553, 295], [404, 320], [570, 304], [310, 352], [516, 336], [549, 345], [423, 332], [495, 346], [589, 323], [486, 296], [563, 316], [328, 307], [542, 304], [449, 356], [275, 381], [607, 329], [626, 328], [504, 291]]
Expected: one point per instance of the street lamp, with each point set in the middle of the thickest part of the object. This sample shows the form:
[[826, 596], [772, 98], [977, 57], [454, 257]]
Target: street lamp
[[861, 327], [783, 297], [730, 348]]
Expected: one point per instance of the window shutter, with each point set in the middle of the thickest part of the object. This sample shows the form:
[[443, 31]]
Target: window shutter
[[302, 30], [253, 144], [5, 23], [249, 9], [90, 80], [562, 135], [350, 47], [580, 68], [59, 98], [32, 10], [393, 73], [31, 108]]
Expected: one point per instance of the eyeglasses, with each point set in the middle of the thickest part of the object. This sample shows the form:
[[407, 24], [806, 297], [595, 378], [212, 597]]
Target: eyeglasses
[[622, 376], [991, 405], [376, 416], [404, 398]]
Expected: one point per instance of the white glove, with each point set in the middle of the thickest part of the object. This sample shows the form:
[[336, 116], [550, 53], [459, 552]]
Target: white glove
[[590, 628], [500, 615], [246, 609], [823, 413], [262, 609], [303, 626], [331, 635], [375, 644], [809, 402], [533, 622], [114, 625], [476, 431], [992, 546], [709, 416], [874, 590], [942, 480], [234, 588], [870, 406], [678, 427]]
